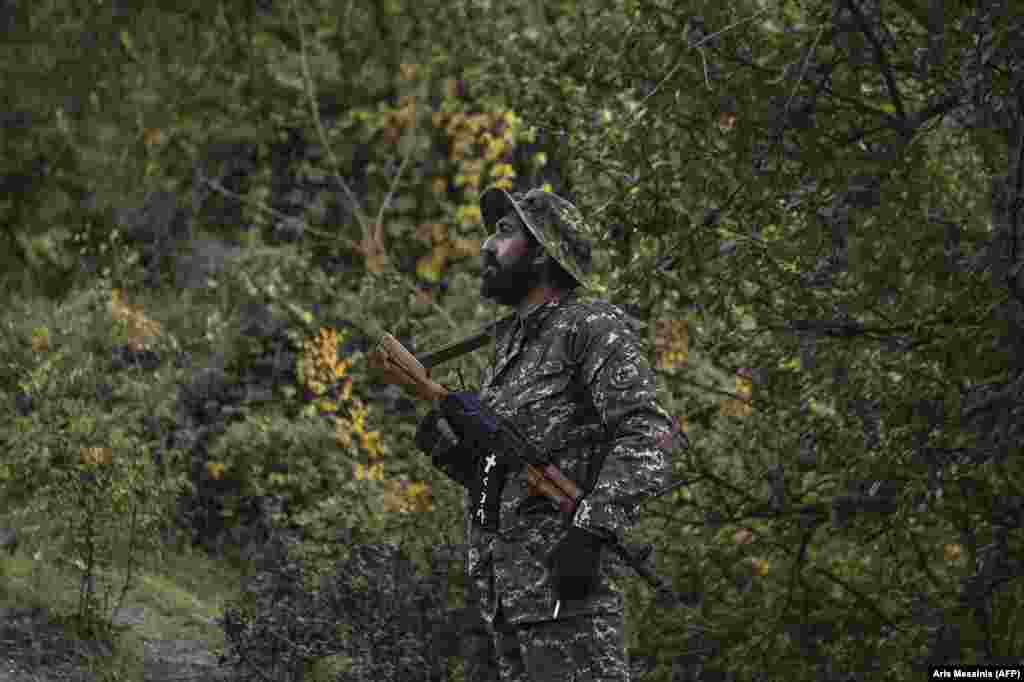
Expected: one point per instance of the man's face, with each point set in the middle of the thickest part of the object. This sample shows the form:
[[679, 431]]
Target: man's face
[[509, 273]]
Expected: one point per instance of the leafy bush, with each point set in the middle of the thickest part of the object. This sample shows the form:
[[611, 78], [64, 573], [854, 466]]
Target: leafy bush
[[80, 449]]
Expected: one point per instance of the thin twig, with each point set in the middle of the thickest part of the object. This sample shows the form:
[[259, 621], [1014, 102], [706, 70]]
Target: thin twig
[[704, 61], [883, 63], [310, 88], [270, 210], [378, 227], [807, 61], [697, 45]]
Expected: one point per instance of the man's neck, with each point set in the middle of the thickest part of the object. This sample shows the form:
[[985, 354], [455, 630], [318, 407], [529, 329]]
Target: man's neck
[[538, 295]]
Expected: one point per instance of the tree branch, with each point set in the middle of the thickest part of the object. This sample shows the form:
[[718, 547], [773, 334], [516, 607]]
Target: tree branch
[[859, 596], [270, 210], [803, 69], [314, 109], [883, 63], [1018, 200]]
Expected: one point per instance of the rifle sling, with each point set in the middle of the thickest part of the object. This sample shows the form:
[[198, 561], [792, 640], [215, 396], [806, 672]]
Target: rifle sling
[[467, 345]]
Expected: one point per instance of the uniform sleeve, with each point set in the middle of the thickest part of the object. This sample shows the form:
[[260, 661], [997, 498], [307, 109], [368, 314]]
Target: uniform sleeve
[[621, 385]]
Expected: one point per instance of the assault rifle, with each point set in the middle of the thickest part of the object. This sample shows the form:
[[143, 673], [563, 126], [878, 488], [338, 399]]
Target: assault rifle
[[399, 367]]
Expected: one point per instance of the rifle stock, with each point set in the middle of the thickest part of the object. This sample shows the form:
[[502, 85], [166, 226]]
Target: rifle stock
[[400, 367]]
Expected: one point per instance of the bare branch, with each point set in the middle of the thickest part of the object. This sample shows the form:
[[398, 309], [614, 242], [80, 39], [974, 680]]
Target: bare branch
[[679, 64], [314, 110], [270, 210], [803, 69], [883, 63], [859, 596]]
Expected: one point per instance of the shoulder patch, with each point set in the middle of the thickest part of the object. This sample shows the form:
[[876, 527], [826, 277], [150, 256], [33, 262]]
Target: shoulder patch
[[625, 375]]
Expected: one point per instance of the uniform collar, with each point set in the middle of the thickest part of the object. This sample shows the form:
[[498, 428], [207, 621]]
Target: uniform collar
[[534, 317]]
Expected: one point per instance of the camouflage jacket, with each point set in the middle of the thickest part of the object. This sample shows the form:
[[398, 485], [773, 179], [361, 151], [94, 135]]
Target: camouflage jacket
[[572, 376]]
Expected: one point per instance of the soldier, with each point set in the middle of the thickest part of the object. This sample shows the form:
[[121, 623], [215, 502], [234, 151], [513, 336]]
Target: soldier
[[570, 373]]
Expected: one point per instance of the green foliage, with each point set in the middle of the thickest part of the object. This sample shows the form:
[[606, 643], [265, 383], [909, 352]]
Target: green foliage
[[77, 451], [785, 174], [809, 193]]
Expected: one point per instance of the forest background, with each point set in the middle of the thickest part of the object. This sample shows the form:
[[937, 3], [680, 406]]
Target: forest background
[[814, 209]]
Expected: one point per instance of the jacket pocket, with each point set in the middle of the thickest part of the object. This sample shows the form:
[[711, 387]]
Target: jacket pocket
[[550, 379]]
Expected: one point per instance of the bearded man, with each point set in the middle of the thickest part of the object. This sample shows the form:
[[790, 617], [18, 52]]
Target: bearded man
[[569, 372]]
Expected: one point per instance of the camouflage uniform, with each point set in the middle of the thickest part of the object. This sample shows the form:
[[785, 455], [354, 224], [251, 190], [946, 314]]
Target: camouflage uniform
[[571, 374]]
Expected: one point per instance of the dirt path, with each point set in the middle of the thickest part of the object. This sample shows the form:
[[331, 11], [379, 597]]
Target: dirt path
[[180, 660], [33, 650], [165, 661]]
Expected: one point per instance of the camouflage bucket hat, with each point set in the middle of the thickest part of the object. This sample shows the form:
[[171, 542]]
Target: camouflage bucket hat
[[556, 223]]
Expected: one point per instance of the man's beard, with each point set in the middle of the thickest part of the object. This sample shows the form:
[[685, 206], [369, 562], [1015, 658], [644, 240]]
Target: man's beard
[[508, 285]]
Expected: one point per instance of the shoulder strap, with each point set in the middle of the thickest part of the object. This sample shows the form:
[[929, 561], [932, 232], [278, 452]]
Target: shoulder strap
[[467, 345]]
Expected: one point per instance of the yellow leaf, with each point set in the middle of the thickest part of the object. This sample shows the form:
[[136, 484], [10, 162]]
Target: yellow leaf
[[465, 248], [428, 268], [360, 471], [953, 551], [503, 170], [547, 187], [129, 44], [505, 184], [468, 215], [744, 386], [439, 187], [40, 339], [407, 72], [672, 342], [759, 567], [152, 137], [476, 123], [540, 159], [734, 408], [460, 147], [495, 149], [343, 432], [455, 122], [216, 470], [372, 444]]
